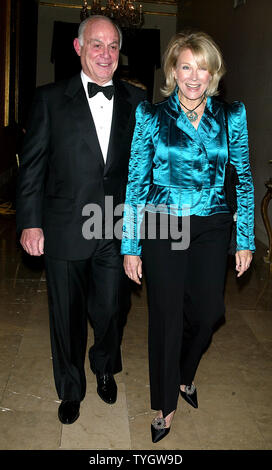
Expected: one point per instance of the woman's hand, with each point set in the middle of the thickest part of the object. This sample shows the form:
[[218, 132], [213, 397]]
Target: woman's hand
[[133, 267], [243, 260]]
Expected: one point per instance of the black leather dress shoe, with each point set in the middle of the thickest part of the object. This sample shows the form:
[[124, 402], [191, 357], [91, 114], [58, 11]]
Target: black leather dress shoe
[[190, 395], [106, 388], [68, 411]]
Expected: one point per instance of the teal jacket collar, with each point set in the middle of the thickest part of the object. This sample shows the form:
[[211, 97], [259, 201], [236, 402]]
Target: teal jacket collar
[[209, 125]]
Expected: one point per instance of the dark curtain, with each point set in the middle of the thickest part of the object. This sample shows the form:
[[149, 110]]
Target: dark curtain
[[63, 54], [142, 47]]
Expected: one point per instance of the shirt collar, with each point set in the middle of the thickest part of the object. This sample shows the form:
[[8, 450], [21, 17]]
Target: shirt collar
[[212, 106]]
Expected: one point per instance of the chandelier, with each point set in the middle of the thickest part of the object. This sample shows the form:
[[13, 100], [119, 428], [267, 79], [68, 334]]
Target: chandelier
[[125, 13]]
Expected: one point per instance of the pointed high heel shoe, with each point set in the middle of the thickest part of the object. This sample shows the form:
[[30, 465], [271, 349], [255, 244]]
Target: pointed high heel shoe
[[158, 429], [190, 395]]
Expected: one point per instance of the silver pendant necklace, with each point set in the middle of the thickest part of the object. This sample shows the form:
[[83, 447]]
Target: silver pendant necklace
[[191, 113]]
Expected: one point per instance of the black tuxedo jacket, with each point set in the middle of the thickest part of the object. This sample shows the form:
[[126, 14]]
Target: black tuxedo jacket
[[62, 167]]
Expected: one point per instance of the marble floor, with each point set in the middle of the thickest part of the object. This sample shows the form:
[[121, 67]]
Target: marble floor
[[234, 379]]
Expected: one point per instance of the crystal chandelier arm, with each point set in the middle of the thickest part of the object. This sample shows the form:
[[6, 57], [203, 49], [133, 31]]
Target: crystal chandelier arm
[[124, 12]]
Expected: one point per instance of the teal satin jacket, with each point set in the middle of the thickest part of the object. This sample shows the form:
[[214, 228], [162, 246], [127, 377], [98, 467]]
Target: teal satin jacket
[[182, 170]]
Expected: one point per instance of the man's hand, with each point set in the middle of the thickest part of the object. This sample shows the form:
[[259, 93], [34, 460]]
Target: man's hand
[[32, 241], [243, 260], [133, 268]]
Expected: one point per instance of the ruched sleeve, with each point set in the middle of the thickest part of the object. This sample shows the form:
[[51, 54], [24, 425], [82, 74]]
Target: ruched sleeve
[[139, 177], [239, 157]]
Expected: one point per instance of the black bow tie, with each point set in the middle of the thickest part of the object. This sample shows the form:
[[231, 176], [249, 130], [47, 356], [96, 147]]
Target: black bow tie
[[93, 88]]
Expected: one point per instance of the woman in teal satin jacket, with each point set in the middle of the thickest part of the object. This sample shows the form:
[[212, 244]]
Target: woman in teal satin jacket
[[176, 179]]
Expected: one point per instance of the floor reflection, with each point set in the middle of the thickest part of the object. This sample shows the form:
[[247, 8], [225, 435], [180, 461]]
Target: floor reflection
[[234, 379]]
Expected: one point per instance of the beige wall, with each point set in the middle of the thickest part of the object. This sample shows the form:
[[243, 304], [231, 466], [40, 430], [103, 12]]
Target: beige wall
[[245, 36], [165, 20]]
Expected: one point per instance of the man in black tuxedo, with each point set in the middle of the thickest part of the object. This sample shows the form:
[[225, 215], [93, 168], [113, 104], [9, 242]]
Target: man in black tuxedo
[[76, 152]]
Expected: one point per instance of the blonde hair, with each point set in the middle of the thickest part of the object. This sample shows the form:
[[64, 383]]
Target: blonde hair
[[205, 51]]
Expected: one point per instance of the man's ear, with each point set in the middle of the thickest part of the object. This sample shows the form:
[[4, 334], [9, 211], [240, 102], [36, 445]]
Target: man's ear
[[77, 46]]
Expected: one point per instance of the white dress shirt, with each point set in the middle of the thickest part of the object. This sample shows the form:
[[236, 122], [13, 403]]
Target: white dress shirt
[[101, 109]]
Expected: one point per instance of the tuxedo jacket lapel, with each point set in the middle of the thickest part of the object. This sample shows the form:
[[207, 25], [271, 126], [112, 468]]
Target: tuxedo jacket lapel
[[84, 121], [120, 119], [83, 116]]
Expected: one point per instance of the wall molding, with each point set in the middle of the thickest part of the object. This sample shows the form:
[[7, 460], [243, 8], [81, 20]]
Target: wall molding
[[7, 63]]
